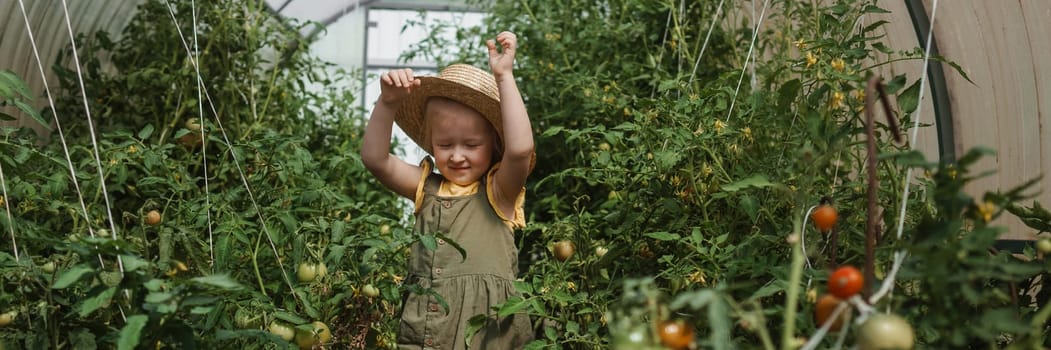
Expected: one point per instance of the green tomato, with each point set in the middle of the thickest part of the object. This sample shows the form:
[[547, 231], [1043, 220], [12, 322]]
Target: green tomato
[[308, 272], [632, 339], [370, 291], [886, 331], [8, 318], [48, 267], [245, 319], [1044, 245], [282, 330], [319, 334]]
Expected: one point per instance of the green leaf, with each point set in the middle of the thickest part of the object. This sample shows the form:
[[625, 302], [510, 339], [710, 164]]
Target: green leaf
[[158, 297], [11, 83], [474, 324], [463, 253], [910, 98], [874, 9], [32, 113], [202, 310], [695, 299], [572, 327], [96, 301], [768, 290], [787, 93], [290, 318], [146, 131], [552, 131], [429, 242], [132, 263], [718, 318], [221, 281], [668, 159], [757, 181], [523, 287], [750, 205], [132, 331], [513, 305], [663, 236], [154, 285], [71, 276]]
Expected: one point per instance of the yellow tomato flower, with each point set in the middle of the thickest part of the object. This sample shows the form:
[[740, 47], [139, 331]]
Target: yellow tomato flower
[[837, 100], [810, 59], [800, 44], [719, 125], [838, 64], [986, 210]]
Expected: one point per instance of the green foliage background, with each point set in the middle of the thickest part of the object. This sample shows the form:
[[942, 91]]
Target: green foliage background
[[675, 155]]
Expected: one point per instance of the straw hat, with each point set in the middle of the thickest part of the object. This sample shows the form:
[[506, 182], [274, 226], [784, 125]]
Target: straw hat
[[462, 83]]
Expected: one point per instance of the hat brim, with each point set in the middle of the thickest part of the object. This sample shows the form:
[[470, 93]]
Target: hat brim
[[411, 113]]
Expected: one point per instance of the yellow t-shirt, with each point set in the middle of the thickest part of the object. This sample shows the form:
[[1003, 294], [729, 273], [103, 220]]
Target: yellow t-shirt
[[449, 189]]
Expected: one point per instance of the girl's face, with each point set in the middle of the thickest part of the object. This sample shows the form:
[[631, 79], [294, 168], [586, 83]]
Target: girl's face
[[461, 139]]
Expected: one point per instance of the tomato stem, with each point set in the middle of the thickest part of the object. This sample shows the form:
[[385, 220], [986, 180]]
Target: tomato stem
[[255, 263], [795, 278]]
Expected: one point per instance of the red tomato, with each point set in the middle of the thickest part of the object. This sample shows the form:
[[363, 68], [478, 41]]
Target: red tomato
[[675, 334], [825, 216], [845, 282]]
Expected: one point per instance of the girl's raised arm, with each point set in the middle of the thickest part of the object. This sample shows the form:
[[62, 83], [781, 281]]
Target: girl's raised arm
[[393, 172], [518, 132]]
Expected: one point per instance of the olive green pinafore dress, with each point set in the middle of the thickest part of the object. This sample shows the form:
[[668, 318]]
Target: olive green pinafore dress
[[470, 286]]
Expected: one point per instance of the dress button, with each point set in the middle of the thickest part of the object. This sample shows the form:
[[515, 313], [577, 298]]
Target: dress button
[[441, 241], [434, 307], [447, 204], [438, 271], [428, 342]]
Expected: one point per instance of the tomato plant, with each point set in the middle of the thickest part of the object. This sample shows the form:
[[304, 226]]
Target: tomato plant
[[845, 282]]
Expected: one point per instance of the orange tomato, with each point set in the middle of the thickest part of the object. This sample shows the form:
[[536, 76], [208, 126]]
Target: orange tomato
[[826, 305], [563, 250], [153, 218], [675, 334], [825, 216], [845, 282]]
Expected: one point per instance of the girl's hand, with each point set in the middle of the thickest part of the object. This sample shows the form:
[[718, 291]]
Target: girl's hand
[[396, 84], [502, 63]]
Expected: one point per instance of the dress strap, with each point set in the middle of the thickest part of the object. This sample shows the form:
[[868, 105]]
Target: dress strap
[[429, 182]]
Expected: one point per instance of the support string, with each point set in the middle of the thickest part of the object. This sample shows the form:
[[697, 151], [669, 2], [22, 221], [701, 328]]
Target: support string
[[204, 145], [747, 59]]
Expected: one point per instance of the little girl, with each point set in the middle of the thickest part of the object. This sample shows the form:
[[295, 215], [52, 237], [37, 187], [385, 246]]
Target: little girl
[[476, 128]]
